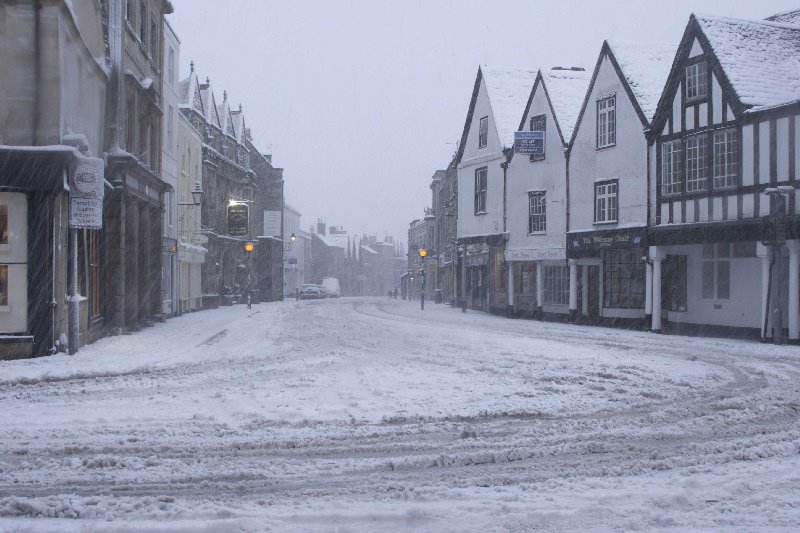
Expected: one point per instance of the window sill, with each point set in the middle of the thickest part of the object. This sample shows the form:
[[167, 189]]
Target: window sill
[[695, 99], [606, 147], [477, 213], [605, 222], [537, 233]]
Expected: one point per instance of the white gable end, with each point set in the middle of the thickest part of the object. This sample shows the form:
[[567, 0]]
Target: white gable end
[[696, 50]]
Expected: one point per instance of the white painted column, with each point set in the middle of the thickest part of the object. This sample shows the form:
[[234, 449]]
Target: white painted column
[[585, 290], [510, 285], [539, 287], [794, 289], [648, 291], [657, 258], [573, 289], [766, 255]]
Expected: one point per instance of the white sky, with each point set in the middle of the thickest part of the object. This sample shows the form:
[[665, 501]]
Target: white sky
[[363, 100]]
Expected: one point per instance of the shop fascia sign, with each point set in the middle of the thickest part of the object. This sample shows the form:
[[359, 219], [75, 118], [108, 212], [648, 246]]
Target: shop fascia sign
[[599, 242], [86, 181], [540, 254]]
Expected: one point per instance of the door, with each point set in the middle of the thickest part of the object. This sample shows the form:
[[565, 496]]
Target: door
[[13, 262]]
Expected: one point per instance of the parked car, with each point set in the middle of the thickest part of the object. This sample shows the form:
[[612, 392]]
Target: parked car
[[332, 287], [323, 291], [310, 292]]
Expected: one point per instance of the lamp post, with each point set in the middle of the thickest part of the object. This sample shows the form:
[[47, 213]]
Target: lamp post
[[293, 238], [248, 248], [423, 253], [777, 218], [197, 199]]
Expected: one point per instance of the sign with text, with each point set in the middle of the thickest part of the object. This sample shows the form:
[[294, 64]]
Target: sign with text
[[529, 142], [238, 220], [272, 223], [536, 254], [86, 193], [595, 242]]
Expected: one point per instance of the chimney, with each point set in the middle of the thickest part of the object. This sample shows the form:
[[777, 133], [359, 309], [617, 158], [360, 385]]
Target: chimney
[[320, 227]]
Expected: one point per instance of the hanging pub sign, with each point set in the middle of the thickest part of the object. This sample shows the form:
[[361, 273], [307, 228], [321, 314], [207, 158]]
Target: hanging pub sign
[[238, 220], [529, 142], [86, 193]]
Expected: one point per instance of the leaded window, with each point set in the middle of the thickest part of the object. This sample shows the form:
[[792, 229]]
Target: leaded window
[[623, 279], [671, 167], [696, 163], [726, 158], [696, 80]]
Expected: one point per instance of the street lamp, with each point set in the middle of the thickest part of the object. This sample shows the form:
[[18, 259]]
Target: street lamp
[[248, 248], [197, 195], [423, 253], [777, 219], [293, 237]]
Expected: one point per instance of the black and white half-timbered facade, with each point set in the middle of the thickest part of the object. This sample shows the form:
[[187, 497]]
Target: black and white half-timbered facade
[[723, 151], [608, 177]]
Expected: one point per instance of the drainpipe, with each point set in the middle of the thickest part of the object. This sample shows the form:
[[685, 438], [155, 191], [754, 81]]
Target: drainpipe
[[37, 70]]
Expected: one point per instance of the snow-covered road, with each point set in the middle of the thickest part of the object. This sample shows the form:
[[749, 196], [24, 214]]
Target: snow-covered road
[[368, 414]]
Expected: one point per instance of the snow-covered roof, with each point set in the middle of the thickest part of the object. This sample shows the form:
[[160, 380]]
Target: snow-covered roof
[[210, 104], [238, 124], [787, 17], [761, 59], [368, 249], [508, 90], [645, 67], [224, 113], [566, 89]]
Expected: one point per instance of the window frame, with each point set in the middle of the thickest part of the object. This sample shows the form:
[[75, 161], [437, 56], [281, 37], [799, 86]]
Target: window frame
[[699, 84], [540, 119], [696, 169], [730, 156], [483, 131], [537, 200], [714, 261], [481, 174], [674, 159], [623, 268], [606, 122], [606, 197], [555, 284]]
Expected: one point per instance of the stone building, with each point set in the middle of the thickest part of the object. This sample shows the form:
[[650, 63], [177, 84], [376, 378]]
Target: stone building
[[52, 114]]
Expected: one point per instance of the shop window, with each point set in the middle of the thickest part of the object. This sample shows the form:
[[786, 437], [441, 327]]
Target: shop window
[[556, 285], [673, 285], [716, 271], [524, 278], [623, 279], [744, 249]]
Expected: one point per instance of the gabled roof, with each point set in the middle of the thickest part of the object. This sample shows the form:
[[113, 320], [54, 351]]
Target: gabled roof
[[238, 124], [565, 90], [189, 93], [507, 90], [209, 104], [787, 17], [645, 67], [761, 59], [224, 112]]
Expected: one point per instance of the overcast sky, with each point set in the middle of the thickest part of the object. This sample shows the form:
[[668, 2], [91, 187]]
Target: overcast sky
[[362, 100]]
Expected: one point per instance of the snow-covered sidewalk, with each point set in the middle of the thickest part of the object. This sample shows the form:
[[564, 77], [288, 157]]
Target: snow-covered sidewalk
[[364, 414]]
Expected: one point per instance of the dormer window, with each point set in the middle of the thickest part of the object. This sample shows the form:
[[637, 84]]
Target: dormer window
[[696, 81]]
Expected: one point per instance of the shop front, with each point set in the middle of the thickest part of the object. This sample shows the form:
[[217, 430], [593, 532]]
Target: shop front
[[611, 276], [539, 279]]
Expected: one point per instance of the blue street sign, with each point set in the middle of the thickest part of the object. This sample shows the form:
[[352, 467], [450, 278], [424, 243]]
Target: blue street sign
[[529, 142]]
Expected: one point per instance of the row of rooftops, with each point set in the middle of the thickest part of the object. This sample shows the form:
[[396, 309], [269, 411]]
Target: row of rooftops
[[199, 98], [761, 59]]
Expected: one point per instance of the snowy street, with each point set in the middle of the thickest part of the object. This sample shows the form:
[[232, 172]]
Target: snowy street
[[365, 414]]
